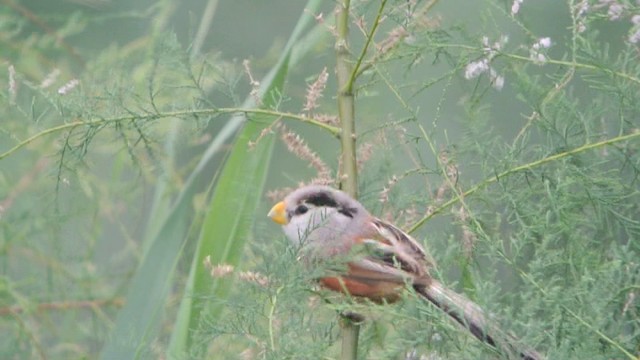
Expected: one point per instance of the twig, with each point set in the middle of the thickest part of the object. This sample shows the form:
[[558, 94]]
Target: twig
[[582, 321], [363, 52], [170, 114], [516, 169], [567, 63]]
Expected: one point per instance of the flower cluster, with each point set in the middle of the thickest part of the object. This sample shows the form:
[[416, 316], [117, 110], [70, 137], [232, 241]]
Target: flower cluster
[[297, 146], [13, 85], [476, 68], [315, 90], [634, 36], [50, 79], [479, 67], [616, 10], [536, 52], [515, 7], [70, 85], [255, 84]]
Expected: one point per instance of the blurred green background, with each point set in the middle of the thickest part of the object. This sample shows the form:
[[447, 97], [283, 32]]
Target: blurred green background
[[84, 210]]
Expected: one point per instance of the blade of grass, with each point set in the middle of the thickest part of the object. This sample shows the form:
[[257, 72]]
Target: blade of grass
[[224, 230], [138, 320]]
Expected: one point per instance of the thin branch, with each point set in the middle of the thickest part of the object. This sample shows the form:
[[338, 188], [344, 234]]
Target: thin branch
[[363, 52], [102, 122], [520, 168], [574, 64], [380, 56], [272, 319], [582, 321]]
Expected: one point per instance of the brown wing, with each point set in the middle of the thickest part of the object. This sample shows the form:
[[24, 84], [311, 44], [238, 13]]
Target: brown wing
[[390, 255], [390, 260], [400, 249]]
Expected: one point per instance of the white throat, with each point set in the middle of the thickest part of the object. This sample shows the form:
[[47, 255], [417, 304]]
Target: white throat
[[319, 226]]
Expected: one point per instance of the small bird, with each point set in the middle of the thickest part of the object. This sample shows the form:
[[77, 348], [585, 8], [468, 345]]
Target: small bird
[[380, 260]]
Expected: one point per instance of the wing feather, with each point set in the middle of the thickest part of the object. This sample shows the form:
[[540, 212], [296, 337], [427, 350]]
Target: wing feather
[[398, 249]]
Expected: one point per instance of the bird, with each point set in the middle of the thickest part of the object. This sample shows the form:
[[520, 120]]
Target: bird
[[366, 257]]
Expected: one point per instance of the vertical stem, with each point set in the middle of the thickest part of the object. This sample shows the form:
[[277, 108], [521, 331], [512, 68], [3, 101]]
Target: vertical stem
[[348, 171], [350, 328]]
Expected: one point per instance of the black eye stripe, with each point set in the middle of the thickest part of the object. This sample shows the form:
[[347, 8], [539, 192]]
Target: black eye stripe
[[322, 199], [325, 199], [350, 212]]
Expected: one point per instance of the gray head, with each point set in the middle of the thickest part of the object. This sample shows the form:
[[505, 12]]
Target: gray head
[[319, 213]]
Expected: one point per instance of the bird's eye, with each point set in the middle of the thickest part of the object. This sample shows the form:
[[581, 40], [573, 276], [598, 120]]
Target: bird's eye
[[301, 209]]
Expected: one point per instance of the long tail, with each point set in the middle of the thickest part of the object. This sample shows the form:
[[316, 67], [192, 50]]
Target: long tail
[[471, 317]]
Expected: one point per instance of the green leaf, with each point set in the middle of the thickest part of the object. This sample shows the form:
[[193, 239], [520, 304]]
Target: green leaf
[[232, 209], [225, 230], [138, 321]]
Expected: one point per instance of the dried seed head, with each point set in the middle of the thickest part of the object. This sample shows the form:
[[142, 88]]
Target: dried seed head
[[297, 146], [315, 90]]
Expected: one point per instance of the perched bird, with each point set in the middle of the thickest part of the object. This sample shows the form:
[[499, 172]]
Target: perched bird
[[380, 260]]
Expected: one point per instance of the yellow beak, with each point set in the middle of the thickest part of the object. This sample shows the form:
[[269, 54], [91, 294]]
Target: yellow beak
[[278, 213]]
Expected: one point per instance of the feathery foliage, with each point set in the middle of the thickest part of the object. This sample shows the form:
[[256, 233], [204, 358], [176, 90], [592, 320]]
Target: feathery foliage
[[503, 134]]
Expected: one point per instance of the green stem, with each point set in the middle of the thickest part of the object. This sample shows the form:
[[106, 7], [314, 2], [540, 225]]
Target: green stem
[[516, 169], [348, 171], [568, 63], [581, 320], [350, 326], [171, 114], [363, 53], [272, 312]]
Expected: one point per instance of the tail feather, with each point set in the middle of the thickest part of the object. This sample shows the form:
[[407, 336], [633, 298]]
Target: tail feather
[[471, 317]]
